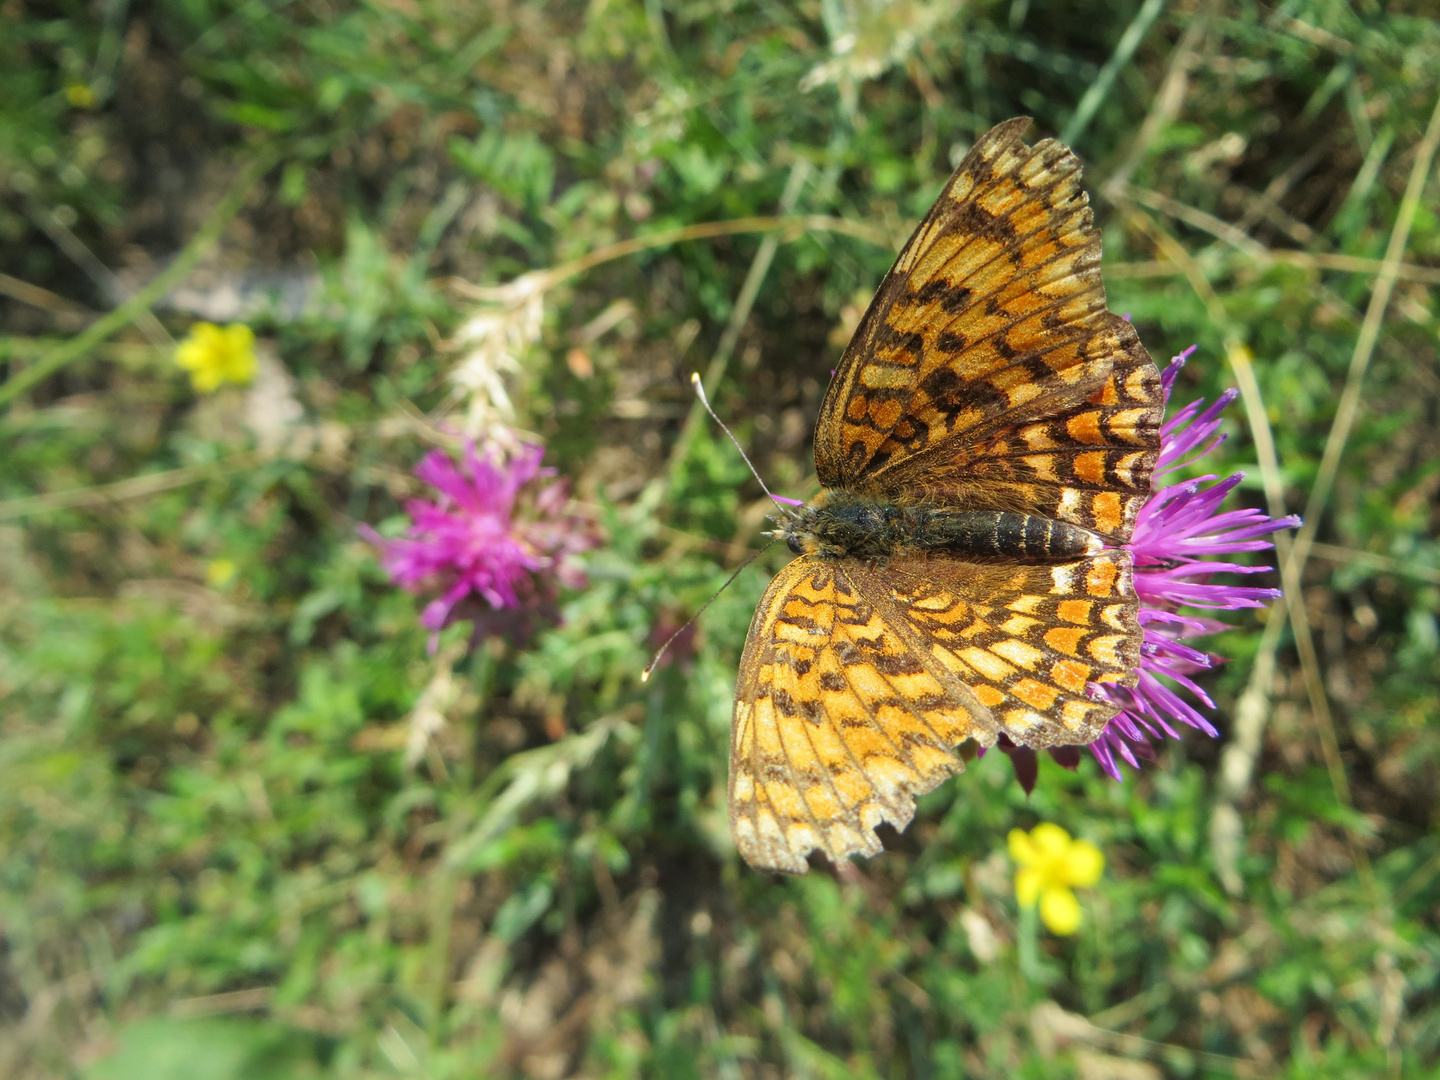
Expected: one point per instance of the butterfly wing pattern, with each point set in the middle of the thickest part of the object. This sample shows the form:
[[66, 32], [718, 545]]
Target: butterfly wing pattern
[[987, 366], [986, 374]]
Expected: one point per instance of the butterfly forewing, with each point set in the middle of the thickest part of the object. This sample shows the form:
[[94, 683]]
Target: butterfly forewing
[[993, 319]]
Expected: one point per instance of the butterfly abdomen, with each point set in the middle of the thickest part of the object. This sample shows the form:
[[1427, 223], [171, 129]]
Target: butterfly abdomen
[[840, 525]]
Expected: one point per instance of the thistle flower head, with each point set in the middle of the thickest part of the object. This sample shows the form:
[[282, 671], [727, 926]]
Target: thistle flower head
[[1182, 539], [500, 536]]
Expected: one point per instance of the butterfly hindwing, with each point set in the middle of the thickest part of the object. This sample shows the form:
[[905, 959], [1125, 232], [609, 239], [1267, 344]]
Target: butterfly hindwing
[[838, 723], [1028, 640], [859, 680]]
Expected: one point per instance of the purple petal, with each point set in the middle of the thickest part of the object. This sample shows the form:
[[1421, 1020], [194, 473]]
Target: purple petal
[[499, 534], [1178, 535]]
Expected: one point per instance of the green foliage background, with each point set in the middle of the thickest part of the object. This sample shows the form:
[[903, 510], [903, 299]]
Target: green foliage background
[[214, 859]]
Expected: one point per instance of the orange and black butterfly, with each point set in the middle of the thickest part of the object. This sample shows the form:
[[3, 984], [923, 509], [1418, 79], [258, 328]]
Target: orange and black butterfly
[[983, 451]]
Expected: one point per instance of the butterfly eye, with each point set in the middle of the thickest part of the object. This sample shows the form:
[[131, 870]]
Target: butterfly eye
[[795, 544]]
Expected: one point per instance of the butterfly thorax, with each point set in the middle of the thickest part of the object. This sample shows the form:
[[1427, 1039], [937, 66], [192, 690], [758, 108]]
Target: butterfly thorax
[[841, 524]]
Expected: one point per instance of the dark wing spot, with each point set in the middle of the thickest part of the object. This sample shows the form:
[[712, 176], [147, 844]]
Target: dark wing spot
[[943, 386], [951, 298], [980, 169], [1036, 368], [890, 339], [911, 740], [804, 622], [904, 664], [919, 433], [774, 771], [976, 221], [933, 703], [932, 290], [956, 299], [950, 393]]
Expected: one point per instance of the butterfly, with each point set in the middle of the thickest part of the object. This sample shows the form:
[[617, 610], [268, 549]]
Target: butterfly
[[983, 449]]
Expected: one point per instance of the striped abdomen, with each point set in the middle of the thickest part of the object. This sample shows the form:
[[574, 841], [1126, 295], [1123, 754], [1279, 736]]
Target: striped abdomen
[[845, 525]]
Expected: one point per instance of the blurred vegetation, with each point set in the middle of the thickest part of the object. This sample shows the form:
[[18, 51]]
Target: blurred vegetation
[[215, 861]]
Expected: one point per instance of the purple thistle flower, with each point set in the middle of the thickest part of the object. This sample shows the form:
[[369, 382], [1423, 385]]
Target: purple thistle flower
[[1178, 535], [1180, 540], [498, 538]]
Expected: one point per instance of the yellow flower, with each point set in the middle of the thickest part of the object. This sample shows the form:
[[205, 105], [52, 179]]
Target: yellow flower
[[80, 96], [1051, 863], [215, 355], [220, 572]]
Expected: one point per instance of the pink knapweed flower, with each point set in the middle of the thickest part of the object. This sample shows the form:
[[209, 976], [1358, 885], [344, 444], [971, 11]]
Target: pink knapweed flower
[[499, 537], [1180, 541]]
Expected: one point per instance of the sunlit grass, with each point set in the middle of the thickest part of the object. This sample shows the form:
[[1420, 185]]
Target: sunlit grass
[[251, 826]]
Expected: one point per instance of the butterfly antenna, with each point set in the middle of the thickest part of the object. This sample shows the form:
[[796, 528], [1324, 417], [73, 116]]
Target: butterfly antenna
[[700, 393], [650, 667]]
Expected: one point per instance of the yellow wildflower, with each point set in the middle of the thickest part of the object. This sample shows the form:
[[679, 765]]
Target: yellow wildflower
[[220, 572], [80, 96], [1051, 863], [214, 355]]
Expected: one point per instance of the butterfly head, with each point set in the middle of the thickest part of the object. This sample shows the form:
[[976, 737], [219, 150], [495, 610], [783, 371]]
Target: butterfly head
[[794, 527], [837, 524]]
